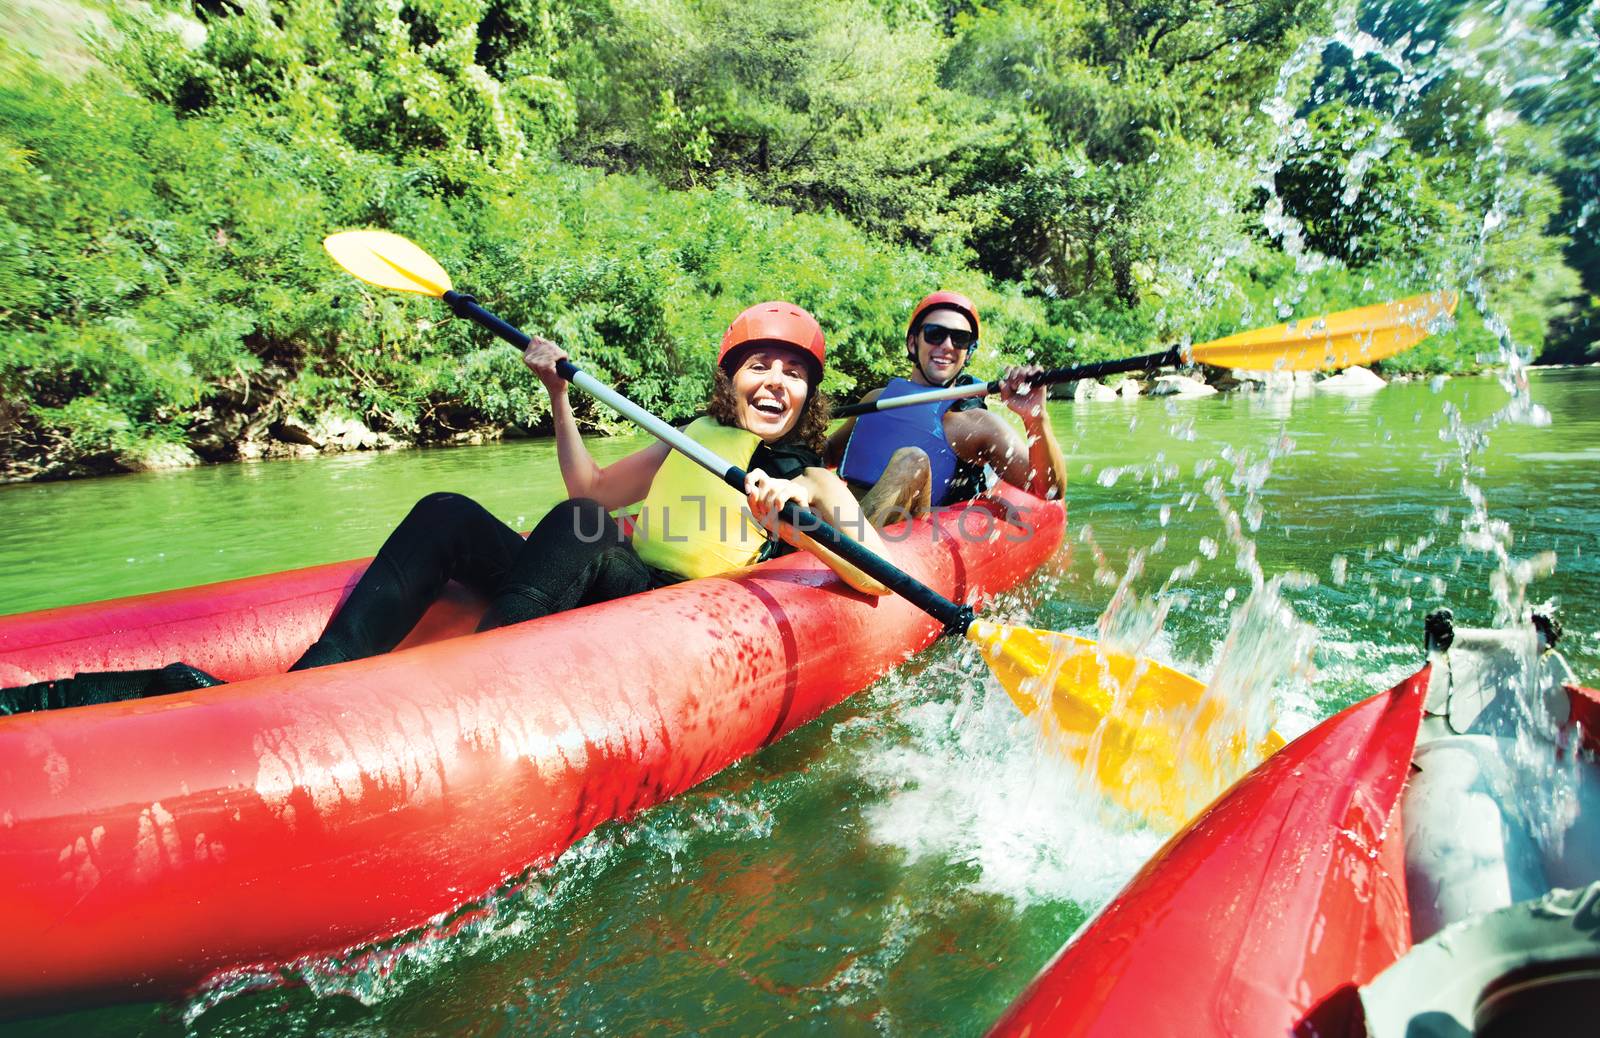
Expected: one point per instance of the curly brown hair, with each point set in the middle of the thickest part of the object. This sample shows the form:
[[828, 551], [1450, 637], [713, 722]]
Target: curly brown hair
[[810, 430]]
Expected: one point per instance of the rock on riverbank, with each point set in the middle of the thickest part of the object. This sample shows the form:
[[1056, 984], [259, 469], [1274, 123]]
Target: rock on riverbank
[[238, 439], [1352, 380], [1180, 385], [1210, 381]]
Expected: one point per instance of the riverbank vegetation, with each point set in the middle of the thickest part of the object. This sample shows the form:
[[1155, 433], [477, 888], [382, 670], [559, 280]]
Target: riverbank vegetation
[[625, 175]]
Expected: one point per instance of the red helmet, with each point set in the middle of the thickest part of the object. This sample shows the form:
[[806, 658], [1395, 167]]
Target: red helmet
[[946, 301], [776, 322]]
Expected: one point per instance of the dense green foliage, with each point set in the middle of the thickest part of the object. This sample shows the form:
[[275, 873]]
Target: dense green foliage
[[625, 175]]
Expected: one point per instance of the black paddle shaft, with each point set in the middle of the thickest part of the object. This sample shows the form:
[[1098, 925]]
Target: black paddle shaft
[[1165, 359], [466, 306], [955, 618], [1168, 358]]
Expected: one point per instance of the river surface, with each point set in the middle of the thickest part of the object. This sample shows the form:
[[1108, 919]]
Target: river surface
[[905, 863]]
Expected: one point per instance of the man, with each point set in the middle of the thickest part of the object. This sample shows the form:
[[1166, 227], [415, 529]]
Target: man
[[904, 461]]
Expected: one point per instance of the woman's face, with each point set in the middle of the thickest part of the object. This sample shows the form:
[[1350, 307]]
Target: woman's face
[[769, 389]]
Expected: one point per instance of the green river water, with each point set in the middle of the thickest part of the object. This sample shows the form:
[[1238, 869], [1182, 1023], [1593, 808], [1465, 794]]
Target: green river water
[[904, 864]]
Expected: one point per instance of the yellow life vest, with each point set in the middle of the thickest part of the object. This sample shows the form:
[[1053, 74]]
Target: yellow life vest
[[691, 522]]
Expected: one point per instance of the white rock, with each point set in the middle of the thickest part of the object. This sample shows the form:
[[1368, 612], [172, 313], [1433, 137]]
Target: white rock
[[282, 449], [474, 437], [1180, 385], [1266, 381], [1352, 380], [1089, 390], [339, 433], [1129, 388], [159, 456]]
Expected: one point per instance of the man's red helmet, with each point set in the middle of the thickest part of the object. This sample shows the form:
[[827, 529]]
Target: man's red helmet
[[946, 301], [776, 322]]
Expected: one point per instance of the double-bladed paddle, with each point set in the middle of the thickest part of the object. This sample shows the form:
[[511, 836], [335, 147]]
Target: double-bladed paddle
[[1336, 340], [1144, 729]]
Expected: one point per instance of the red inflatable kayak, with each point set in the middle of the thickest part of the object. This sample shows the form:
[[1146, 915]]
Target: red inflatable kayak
[[147, 846], [1308, 879]]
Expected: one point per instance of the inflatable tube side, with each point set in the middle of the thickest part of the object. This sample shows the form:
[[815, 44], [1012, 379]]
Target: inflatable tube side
[[146, 846]]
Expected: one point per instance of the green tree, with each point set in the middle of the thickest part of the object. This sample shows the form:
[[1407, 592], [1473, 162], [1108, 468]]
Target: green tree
[[1123, 104]]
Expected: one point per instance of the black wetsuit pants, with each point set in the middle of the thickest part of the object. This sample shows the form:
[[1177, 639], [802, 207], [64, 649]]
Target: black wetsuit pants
[[575, 556]]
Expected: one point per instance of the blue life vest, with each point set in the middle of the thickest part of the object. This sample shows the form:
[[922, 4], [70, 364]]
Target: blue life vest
[[879, 434]]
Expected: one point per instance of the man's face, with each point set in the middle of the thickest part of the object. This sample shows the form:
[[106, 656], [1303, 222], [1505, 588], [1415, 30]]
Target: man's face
[[934, 341]]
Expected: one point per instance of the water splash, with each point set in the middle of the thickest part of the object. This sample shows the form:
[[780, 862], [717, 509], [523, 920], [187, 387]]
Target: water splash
[[976, 782], [1510, 49]]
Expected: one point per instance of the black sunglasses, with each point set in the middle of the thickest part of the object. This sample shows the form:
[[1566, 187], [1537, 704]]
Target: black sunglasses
[[936, 334]]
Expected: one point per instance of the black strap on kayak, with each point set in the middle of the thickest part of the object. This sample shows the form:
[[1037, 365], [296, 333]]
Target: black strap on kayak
[[104, 687]]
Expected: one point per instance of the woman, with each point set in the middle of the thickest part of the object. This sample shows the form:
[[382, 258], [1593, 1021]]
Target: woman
[[766, 414]]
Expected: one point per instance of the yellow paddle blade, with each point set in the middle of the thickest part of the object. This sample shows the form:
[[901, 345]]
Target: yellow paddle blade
[[388, 261], [1145, 734], [1336, 340]]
